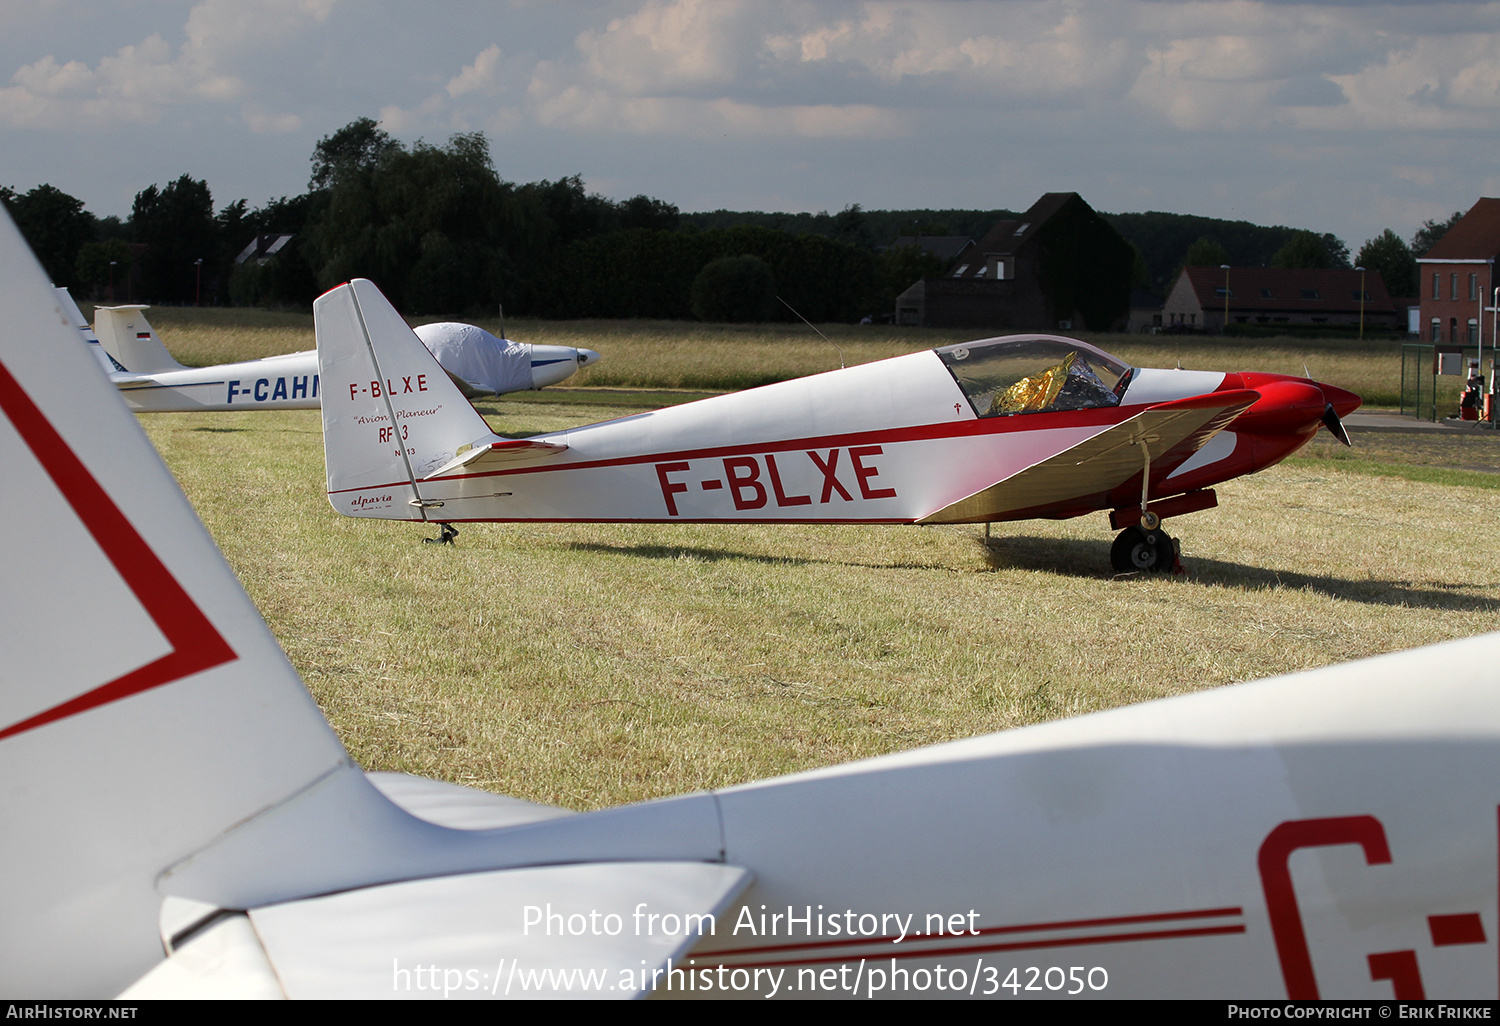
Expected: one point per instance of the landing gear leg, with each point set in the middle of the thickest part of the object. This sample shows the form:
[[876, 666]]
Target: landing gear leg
[[1139, 549], [446, 534]]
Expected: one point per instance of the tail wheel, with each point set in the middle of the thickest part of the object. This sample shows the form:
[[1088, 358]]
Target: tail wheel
[[1138, 549]]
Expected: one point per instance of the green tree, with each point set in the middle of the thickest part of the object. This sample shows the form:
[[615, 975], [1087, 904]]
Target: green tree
[[1389, 255], [737, 288], [177, 225], [56, 227], [433, 226], [850, 225], [356, 149], [1428, 235], [95, 272], [1309, 250], [651, 214], [1205, 252], [898, 269]]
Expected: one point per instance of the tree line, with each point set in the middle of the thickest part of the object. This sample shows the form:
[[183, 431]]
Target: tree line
[[440, 231], [1166, 243]]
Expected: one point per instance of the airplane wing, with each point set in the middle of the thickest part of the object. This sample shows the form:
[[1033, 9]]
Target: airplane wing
[[1171, 432]]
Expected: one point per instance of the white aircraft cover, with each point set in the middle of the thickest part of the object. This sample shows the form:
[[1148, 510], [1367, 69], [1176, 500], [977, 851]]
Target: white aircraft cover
[[493, 364]]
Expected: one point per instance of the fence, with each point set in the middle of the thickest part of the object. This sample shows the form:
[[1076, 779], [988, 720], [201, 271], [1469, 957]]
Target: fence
[[1423, 391]]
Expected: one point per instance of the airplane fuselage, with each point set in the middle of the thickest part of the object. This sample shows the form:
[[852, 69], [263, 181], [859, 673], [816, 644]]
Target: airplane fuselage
[[286, 382], [887, 442]]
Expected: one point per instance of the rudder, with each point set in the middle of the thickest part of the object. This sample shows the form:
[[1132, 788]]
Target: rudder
[[128, 337], [391, 414]]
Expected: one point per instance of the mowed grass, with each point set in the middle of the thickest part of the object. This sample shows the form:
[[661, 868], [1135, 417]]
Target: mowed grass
[[719, 357], [587, 665]]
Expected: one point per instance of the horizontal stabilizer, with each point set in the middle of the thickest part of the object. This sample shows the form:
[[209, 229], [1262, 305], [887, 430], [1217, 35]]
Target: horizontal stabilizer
[[495, 454], [1170, 432], [490, 934]]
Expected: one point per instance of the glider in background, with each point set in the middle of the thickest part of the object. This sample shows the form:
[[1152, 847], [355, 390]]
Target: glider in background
[[479, 364], [180, 820], [1002, 429]]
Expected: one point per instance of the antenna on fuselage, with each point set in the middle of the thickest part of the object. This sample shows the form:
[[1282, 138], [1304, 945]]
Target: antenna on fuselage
[[501, 308], [814, 327]]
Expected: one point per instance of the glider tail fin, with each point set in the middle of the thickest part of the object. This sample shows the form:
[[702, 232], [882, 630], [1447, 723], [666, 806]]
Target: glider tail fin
[[391, 414], [130, 340], [175, 720], [108, 364]]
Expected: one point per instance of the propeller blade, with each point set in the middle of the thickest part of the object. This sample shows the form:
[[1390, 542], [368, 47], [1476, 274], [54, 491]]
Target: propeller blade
[[1335, 426]]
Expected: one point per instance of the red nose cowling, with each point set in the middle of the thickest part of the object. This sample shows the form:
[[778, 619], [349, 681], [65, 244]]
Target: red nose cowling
[[1291, 406]]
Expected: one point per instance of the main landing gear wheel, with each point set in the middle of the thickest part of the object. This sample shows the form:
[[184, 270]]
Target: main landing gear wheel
[[447, 532], [1139, 549]]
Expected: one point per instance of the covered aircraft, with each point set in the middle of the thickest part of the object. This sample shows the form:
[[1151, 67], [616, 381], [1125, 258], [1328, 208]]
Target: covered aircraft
[[1001, 429], [133, 355], [180, 820]]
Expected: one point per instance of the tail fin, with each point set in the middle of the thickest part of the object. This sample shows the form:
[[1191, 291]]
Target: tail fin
[[175, 719], [129, 338], [107, 363], [391, 414]]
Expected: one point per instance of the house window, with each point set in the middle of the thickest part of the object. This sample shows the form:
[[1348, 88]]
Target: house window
[[1357, 295], [1310, 294], [1437, 325], [981, 272], [1266, 294], [1223, 292], [1453, 329], [961, 269], [1453, 286], [1473, 331], [1437, 290], [1473, 286], [1022, 230]]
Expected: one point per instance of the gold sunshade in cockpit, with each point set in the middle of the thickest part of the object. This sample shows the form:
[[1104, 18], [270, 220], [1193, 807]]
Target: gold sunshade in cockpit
[[1034, 393]]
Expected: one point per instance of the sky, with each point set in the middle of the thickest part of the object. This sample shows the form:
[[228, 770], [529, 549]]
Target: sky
[[1339, 117]]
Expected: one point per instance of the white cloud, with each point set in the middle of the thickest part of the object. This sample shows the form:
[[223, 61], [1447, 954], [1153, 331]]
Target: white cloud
[[138, 82], [260, 121], [671, 46], [481, 75], [595, 110]]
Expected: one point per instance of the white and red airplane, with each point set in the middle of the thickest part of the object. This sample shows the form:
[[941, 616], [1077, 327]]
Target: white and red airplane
[[180, 820], [152, 381], [1001, 429]]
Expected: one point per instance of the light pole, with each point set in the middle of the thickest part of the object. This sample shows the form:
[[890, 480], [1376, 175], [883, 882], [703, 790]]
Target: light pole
[[1361, 271], [1225, 330], [198, 287]]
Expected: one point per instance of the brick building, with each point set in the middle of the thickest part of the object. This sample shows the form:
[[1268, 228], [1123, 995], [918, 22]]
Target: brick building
[[1457, 279]]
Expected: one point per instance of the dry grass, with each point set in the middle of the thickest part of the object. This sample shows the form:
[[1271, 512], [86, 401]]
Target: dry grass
[[680, 355], [588, 665]]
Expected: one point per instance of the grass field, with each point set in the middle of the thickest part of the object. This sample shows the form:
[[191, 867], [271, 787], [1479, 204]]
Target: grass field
[[587, 665], [678, 355]]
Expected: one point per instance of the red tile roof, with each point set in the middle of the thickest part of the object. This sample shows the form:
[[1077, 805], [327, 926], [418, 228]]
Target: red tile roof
[[1336, 290], [1476, 236]]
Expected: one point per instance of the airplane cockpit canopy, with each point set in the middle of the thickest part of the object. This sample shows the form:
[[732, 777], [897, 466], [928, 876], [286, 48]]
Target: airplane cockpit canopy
[[1035, 374]]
